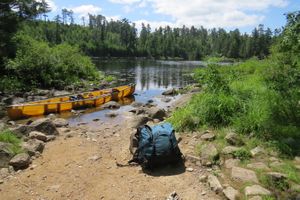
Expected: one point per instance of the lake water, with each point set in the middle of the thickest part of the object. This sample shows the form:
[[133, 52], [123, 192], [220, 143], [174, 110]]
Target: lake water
[[151, 79]]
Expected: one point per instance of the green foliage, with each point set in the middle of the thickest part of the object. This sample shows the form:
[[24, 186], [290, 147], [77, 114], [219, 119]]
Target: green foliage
[[47, 66], [242, 154], [9, 137], [109, 78]]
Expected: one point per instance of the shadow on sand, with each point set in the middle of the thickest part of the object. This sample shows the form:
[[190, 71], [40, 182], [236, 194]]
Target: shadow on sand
[[168, 170]]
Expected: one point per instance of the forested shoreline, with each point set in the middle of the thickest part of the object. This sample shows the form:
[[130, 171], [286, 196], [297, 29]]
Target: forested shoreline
[[99, 37]]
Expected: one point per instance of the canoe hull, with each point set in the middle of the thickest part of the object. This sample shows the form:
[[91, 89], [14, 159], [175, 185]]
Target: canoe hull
[[64, 104]]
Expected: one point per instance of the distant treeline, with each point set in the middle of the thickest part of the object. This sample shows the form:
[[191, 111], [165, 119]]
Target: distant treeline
[[102, 38]]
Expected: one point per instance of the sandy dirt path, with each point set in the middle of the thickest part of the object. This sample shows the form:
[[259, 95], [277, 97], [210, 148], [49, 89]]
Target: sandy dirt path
[[81, 164]]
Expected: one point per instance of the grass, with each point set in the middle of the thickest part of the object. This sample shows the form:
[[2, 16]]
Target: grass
[[8, 136], [290, 170]]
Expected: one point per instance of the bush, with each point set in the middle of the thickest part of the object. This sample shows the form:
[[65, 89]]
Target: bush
[[39, 65]]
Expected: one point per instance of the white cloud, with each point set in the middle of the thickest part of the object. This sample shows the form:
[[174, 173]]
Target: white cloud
[[51, 5], [125, 1], [153, 24], [208, 13], [84, 10], [215, 13]]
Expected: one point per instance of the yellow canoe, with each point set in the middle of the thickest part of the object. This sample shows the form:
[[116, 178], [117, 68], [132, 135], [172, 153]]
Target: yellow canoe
[[67, 103]]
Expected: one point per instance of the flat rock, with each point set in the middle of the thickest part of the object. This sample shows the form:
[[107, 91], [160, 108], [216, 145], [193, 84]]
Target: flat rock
[[209, 154], [230, 150], [214, 183], [233, 139], [60, 122], [256, 190], [208, 136], [231, 193], [230, 163], [244, 175], [20, 161], [258, 165], [38, 135], [257, 151]]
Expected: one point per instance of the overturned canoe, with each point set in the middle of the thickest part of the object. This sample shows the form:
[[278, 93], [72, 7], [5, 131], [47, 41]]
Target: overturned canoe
[[67, 103]]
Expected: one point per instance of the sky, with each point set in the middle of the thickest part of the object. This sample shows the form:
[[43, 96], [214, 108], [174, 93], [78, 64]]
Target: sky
[[228, 14]]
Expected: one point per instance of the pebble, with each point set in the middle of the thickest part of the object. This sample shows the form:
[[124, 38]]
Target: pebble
[[189, 169], [1, 181], [203, 193]]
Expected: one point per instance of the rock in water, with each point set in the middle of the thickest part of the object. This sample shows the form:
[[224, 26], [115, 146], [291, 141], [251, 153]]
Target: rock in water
[[20, 161], [111, 105], [169, 92]]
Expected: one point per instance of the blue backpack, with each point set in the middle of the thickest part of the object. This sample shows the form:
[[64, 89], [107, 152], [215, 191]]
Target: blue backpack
[[154, 146]]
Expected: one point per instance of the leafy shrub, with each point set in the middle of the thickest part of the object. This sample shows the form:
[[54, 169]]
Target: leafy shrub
[[242, 154], [39, 65]]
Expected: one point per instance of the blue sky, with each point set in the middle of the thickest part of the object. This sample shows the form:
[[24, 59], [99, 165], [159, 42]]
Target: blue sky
[[228, 14]]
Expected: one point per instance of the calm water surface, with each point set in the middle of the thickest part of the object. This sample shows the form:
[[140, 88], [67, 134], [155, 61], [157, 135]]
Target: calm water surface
[[151, 79]]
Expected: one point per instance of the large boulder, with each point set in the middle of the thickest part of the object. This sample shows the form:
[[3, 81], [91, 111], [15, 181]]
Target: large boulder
[[5, 154], [33, 146], [209, 154], [233, 139], [60, 122], [214, 183], [138, 121], [43, 125], [20, 161], [256, 190], [243, 175], [156, 113]]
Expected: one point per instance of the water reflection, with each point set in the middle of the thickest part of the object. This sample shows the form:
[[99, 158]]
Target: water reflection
[[149, 75]]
